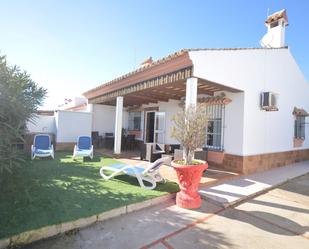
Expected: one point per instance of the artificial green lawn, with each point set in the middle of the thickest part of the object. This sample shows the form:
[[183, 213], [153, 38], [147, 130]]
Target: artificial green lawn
[[45, 192]]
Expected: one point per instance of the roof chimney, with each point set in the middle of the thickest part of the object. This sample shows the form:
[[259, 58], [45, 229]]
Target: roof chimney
[[275, 36], [147, 62]]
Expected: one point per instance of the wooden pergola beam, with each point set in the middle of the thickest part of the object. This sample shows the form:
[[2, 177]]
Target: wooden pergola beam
[[142, 98], [162, 80], [150, 96], [160, 89], [129, 100]]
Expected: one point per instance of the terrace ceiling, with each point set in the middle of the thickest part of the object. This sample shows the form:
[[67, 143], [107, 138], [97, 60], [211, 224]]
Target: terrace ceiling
[[162, 92]]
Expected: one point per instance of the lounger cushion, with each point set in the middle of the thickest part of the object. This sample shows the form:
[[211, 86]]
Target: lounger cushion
[[84, 143], [43, 152], [42, 142], [130, 171], [137, 170], [83, 152]]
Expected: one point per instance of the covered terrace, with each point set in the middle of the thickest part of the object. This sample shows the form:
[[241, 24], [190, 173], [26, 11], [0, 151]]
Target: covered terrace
[[171, 78]]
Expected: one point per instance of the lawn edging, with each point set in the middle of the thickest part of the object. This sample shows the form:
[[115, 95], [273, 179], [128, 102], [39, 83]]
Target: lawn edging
[[53, 230]]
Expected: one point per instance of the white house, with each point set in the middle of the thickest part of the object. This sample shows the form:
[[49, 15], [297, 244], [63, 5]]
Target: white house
[[257, 101], [257, 97]]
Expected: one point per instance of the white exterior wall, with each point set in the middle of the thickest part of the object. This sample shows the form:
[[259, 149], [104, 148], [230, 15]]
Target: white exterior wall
[[103, 118], [255, 71], [71, 124], [42, 123], [234, 124]]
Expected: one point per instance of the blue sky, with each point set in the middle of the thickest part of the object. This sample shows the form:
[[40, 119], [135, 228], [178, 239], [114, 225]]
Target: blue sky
[[71, 46]]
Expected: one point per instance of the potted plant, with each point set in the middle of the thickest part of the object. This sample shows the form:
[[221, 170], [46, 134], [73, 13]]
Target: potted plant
[[190, 129]]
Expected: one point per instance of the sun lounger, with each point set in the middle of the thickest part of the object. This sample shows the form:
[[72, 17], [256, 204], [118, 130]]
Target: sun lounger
[[150, 174]]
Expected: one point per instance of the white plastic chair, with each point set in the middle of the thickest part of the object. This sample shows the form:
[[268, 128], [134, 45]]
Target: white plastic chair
[[150, 174], [83, 148], [42, 146]]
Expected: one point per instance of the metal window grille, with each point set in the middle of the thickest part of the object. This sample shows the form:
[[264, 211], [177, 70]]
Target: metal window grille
[[299, 129], [215, 130]]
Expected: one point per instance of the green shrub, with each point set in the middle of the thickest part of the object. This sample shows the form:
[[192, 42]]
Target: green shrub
[[19, 99]]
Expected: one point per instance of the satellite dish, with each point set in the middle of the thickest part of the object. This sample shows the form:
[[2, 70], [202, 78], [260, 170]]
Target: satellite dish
[[266, 40]]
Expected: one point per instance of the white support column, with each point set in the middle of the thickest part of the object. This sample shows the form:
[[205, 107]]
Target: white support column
[[118, 125], [191, 92], [191, 96]]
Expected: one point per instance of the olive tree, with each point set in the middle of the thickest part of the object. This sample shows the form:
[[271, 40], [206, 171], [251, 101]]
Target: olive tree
[[190, 129], [20, 97]]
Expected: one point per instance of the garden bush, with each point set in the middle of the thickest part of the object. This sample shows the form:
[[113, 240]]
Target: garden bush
[[20, 97]]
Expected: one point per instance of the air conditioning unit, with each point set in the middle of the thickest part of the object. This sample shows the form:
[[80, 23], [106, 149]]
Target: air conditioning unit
[[269, 101]]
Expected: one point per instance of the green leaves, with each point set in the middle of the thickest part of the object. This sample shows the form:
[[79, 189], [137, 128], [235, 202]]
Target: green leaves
[[20, 97]]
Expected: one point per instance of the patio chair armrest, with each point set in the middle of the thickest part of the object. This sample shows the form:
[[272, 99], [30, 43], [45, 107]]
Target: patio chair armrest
[[32, 148], [52, 147]]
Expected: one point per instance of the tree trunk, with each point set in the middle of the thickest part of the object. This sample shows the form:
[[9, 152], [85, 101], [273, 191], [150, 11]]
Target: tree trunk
[[188, 157]]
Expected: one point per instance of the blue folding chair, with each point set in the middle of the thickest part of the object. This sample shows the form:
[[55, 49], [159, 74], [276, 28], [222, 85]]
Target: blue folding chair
[[83, 148], [42, 146]]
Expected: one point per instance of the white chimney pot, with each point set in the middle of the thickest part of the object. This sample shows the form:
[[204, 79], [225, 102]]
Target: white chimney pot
[[275, 36]]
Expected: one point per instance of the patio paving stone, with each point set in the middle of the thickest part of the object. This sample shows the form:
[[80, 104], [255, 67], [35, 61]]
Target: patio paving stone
[[236, 229], [132, 230], [235, 190], [291, 214]]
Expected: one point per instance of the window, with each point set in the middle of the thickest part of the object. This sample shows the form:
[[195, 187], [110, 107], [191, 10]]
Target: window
[[299, 128], [215, 126], [134, 121]]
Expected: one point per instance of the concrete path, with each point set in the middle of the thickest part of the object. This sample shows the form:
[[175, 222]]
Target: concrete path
[[277, 219], [235, 190]]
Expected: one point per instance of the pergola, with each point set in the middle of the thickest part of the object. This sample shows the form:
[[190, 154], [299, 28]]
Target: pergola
[[168, 78]]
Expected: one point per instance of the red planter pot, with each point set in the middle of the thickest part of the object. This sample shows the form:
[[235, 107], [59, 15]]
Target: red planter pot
[[189, 177]]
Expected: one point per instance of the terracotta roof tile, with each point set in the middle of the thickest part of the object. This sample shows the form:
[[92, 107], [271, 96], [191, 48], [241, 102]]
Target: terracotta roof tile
[[147, 62], [276, 16], [168, 58], [140, 69]]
